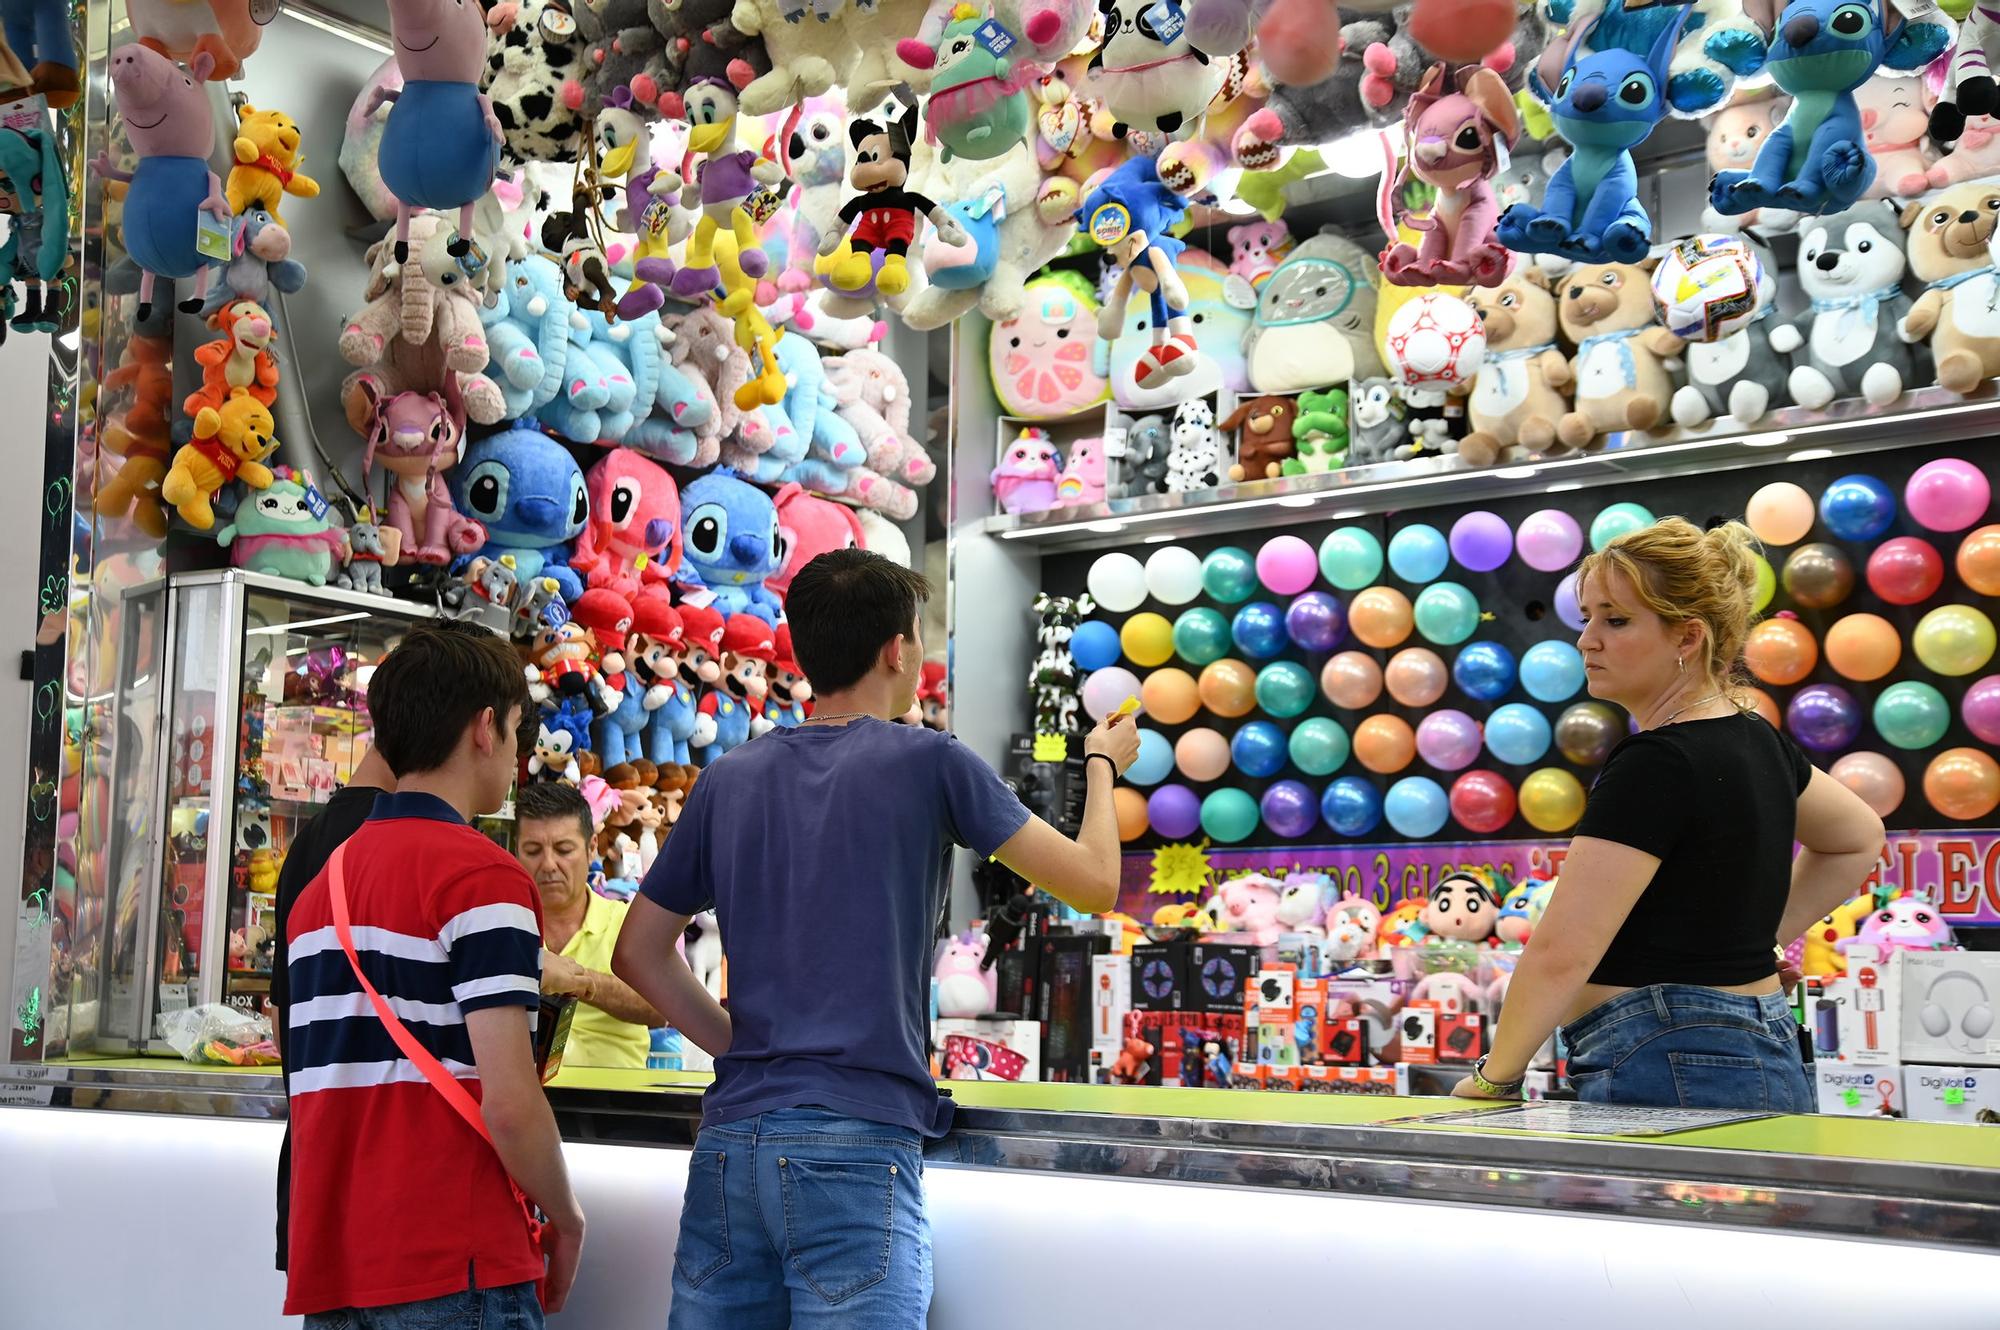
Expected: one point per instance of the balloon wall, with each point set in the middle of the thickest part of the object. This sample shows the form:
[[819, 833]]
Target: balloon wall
[[1416, 677]]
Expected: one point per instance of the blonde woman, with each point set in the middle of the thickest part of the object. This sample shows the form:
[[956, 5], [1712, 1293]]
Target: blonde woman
[[1657, 955]]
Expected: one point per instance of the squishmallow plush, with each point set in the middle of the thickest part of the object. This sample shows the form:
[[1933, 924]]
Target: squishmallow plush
[[1041, 358]]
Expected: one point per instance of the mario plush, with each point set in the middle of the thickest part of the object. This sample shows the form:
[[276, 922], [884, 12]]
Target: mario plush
[[785, 705], [883, 216]]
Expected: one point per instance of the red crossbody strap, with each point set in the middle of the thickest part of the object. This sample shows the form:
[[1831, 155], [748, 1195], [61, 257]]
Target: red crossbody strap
[[441, 1080]]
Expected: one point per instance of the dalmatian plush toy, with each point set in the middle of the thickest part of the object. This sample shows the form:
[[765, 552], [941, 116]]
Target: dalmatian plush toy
[[1195, 461]]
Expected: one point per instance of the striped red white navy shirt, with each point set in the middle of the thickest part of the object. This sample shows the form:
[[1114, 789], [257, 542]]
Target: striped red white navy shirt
[[394, 1197]]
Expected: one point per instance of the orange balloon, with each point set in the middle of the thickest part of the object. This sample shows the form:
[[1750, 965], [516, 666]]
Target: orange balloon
[[1781, 651], [1979, 561], [1416, 677], [1228, 688], [1963, 783], [1385, 743], [1170, 696], [1864, 647], [1760, 702], [1380, 617], [1130, 805], [1351, 680]]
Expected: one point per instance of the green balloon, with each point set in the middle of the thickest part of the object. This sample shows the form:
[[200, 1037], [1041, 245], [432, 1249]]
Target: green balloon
[[1319, 746], [1446, 613], [1767, 584], [1228, 815], [1285, 689], [1229, 575], [1201, 635], [1912, 714], [1351, 558], [1616, 520]]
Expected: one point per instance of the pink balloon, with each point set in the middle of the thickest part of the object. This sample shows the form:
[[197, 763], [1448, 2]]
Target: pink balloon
[[1351, 680], [1449, 740], [1947, 495], [1981, 709], [1876, 779], [1287, 565], [1549, 540]]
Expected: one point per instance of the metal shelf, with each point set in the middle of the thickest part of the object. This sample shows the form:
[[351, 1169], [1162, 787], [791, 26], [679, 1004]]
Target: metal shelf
[[1925, 416]]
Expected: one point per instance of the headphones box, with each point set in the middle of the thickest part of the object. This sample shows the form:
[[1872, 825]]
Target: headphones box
[[1949, 1001], [1951, 1094]]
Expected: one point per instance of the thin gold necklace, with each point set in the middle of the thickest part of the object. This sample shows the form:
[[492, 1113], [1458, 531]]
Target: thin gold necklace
[[838, 715], [1712, 697]]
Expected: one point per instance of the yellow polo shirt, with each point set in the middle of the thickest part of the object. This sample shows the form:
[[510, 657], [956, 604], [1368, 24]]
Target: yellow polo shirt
[[596, 1039]]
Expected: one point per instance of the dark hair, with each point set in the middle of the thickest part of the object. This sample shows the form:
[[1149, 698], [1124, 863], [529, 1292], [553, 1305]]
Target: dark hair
[[551, 801], [844, 607], [433, 685]]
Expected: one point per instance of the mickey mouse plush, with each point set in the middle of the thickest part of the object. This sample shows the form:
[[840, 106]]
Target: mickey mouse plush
[[883, 217]]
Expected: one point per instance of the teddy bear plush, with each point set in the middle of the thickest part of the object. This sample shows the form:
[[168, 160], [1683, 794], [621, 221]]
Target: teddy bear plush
[[1263, 437], [1851, 265], [1516, 395], [267, 164], [1959, 311], [1619, 371]]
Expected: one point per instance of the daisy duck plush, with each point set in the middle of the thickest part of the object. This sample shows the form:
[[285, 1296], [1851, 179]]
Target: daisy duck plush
[[1129, 213]]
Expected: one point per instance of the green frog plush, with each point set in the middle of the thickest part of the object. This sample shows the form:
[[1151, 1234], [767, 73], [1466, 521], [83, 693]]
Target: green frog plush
[[1320, 433], [276, 531]]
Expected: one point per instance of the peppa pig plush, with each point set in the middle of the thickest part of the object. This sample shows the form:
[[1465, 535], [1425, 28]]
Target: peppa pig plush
[[963, 988], [1249, 904], [1025, 480], [1907, 923], [441, 144]]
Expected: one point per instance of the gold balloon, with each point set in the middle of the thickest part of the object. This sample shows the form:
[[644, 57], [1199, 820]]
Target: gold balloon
[[1380, 617], [1147, 640], [1130, 805], [1818, 576], [1551, 799], [1979, 561], [1351, 680], [1781, 651], [1228, 688]]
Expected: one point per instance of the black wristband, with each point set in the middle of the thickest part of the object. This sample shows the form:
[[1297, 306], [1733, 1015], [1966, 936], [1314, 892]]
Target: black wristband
[[1103, 757]]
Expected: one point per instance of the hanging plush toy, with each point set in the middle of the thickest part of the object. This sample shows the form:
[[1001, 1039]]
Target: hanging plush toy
[[38, 31], [729, 176], [1969, 90], [1146, 70], [441, 145], [267, 163], [625, 152], [229, 443], [978, 106], [1459, 128], [1820, 52], [171, 128], [239, 360], [35, 199], [279, 533], [260, 263], [883, 216], [1129, 214], [534, 74]]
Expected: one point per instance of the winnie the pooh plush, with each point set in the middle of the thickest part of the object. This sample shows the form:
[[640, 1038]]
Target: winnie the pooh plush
[[1515, 398], [1960, 307], [267, 164], [1621, 382], [228, 443]]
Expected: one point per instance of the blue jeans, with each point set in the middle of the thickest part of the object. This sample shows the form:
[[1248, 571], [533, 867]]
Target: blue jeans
[[1683, 1046], [513, 1307], [803, 1218]]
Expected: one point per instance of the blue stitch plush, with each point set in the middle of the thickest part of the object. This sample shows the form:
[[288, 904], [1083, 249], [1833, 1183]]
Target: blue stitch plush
[[1821, 51], [530, 493], [730, 543]]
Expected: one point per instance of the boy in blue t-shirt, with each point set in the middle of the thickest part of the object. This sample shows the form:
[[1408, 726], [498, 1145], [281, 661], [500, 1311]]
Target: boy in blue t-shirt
[[825, 852]]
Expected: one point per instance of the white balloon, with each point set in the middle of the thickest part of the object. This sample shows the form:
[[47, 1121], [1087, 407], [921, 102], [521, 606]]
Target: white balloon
[[1105, 690], [1173, 575], [1117, 583]]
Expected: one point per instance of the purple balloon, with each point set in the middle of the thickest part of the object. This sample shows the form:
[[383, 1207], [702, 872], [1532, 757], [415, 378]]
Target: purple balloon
[[1567, 609], [1290, 808], [1481, 541], [1449, 740], [1981, 709], [1316, 621], [1549, 540], [1824, 717], [1173, 811]]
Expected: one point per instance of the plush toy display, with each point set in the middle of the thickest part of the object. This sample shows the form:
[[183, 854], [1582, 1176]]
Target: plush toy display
[[732, 545], [881, 221], [1376, 421], [230, 442], [1459, 128], [170, 126], [239, 360], [370, 548], [260, 263], [1138, 464], [267, 163], [1129, 214], [530, 495], [1041, 358], [625, 147], [1950, 235], [1620, 380], [1851, 264], [411, 334], [729, 176], [1257, 248], [1820, 52], [534, 58], [1516, 393], [1969, 90], [1319, 435], [1735, 134], [1264, 441], [417, 437], [1741, 375], [978, 105], [140, 433], [278, 533], [1199, 452], [1083, 477], [441, 144], [1893, 126], [1315, 318], [34, 196], [38, 32], [633, 537], [1149, 76], [1025, 480], [227, 31]]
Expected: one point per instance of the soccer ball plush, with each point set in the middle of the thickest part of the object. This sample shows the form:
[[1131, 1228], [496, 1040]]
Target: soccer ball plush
[[1707, 287], [1436, 341]]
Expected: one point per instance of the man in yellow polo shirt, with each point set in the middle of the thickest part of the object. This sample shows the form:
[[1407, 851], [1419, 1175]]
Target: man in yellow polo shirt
[[552, 833]]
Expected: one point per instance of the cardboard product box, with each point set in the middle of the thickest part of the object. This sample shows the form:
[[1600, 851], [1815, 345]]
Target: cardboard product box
[[1868, 1009], [1065, 998], [1110, 999], [1951, 1094], [1159, 975], [1949, 1003], [1461, 1037], [1217, 973], [989, 1050], [1345, 1042], [1288, 1079], [1357, 1080], [1417, 1024], [1540, 1084], [1849, 1091], [1304, 952], [1274, 986]]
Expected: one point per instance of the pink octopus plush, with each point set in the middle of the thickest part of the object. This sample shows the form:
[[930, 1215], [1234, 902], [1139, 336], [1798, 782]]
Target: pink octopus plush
[[1457, 127]]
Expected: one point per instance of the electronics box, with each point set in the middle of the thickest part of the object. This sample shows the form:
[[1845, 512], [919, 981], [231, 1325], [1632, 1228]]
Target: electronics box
[[1951, 1094], [1344, 1042], [1110, 999], [1065, 1001], [1849, 1091], [1159, 975], [1054, 790], [1461, 1037], [1216, 976], [1357, 1080], [1868, 1009], [1949, 1003], [1417, 1024]]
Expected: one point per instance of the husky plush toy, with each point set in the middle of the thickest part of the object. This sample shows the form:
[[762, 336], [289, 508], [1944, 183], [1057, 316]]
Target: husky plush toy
[[1852, 265]]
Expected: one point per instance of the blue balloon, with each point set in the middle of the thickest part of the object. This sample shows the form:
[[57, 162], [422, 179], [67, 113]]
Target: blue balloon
[[1351, 806], [1552, 671], [1094, 645], [1858, 508], [1258, 749], [1419, 553], [1484, 670], [1416, 806], [1518, 734], [1259, 630], [1155, 760]]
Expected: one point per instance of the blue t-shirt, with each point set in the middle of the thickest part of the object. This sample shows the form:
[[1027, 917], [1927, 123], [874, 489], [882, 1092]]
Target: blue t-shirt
[[825, 852]]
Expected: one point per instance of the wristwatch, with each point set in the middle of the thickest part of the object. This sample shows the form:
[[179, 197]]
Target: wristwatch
[[1494, 1089]]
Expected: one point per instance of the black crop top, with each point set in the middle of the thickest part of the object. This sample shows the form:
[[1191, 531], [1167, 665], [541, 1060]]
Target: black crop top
[[1716, 801]]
